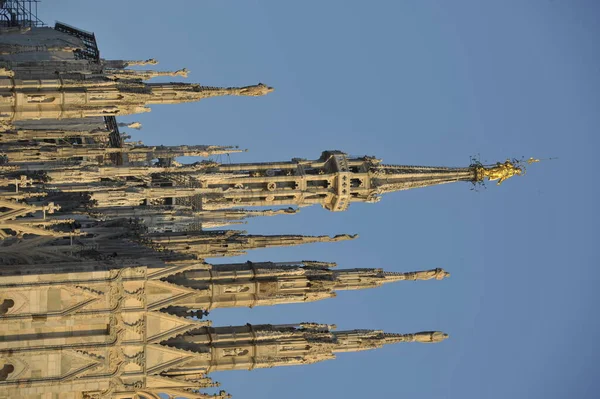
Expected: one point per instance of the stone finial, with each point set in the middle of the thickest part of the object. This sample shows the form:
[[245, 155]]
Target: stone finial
[[182, 72], [343, 237], [428, 337], [255, 91], [132, 125]]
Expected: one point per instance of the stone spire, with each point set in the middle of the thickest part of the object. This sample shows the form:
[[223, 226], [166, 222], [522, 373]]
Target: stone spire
[[132, 74], [271, 283], [220, 218], [136, 154], [62, 99], [208, 244], [266, 346], [353, 279], [359, 340], [120, 64], [389, 178], [180, 218], [335, 180]]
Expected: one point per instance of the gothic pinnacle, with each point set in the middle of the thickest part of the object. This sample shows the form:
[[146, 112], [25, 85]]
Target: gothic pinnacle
[[27, 99], [425, 337], [357, 340], [126, 63], [273, 283], [437, 274], [206, 244], [353, 279], [305, 343]]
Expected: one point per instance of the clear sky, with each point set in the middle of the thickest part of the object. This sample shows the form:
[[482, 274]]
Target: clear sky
[[412, 82]]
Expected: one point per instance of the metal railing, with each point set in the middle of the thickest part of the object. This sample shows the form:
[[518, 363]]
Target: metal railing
[[90, 50]]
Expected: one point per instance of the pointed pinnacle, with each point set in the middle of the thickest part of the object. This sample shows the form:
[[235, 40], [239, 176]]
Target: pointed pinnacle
[[425, 337], [343, 237], [256, 90], [438, 274]]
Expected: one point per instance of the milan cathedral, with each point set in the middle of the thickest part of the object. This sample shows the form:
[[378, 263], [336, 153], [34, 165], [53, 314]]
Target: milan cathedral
[[103, 284]]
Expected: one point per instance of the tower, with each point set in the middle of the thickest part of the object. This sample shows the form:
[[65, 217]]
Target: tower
[[334, 181]]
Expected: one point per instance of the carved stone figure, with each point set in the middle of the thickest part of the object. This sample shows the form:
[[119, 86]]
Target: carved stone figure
[[500, 172]]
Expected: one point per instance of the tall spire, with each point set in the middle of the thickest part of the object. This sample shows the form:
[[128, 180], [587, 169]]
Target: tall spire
[[207, 244], [265, 346], [136, 154], [63, 99], [389, 178], [268, 283], [335, 180]]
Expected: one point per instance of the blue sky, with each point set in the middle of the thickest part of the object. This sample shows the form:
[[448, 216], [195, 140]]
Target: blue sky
[[412, 82]]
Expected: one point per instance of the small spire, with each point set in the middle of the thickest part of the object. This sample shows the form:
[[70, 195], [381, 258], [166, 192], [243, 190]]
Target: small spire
[[437, 274], [256, 90], [132, 125], [359, 340], [150, 61], [354, 279], [229, 242], [174, 93], [134, 74], [391, 178], [425, 337], [127, 63]]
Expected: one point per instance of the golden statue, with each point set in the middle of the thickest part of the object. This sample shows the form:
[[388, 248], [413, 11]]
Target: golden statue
[[500, 172]]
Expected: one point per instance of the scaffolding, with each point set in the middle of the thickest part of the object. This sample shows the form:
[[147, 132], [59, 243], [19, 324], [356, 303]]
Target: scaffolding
[[90, 50], [19, 13]]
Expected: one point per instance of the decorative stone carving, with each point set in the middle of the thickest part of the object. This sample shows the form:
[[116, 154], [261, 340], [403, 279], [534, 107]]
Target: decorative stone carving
[[235, 352], [139, 326]]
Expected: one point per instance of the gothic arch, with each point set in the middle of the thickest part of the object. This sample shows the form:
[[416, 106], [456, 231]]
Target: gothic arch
[[16, 369], [12, 302]]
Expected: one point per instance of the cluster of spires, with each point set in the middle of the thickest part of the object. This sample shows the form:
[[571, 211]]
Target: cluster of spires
[[77, 199]]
